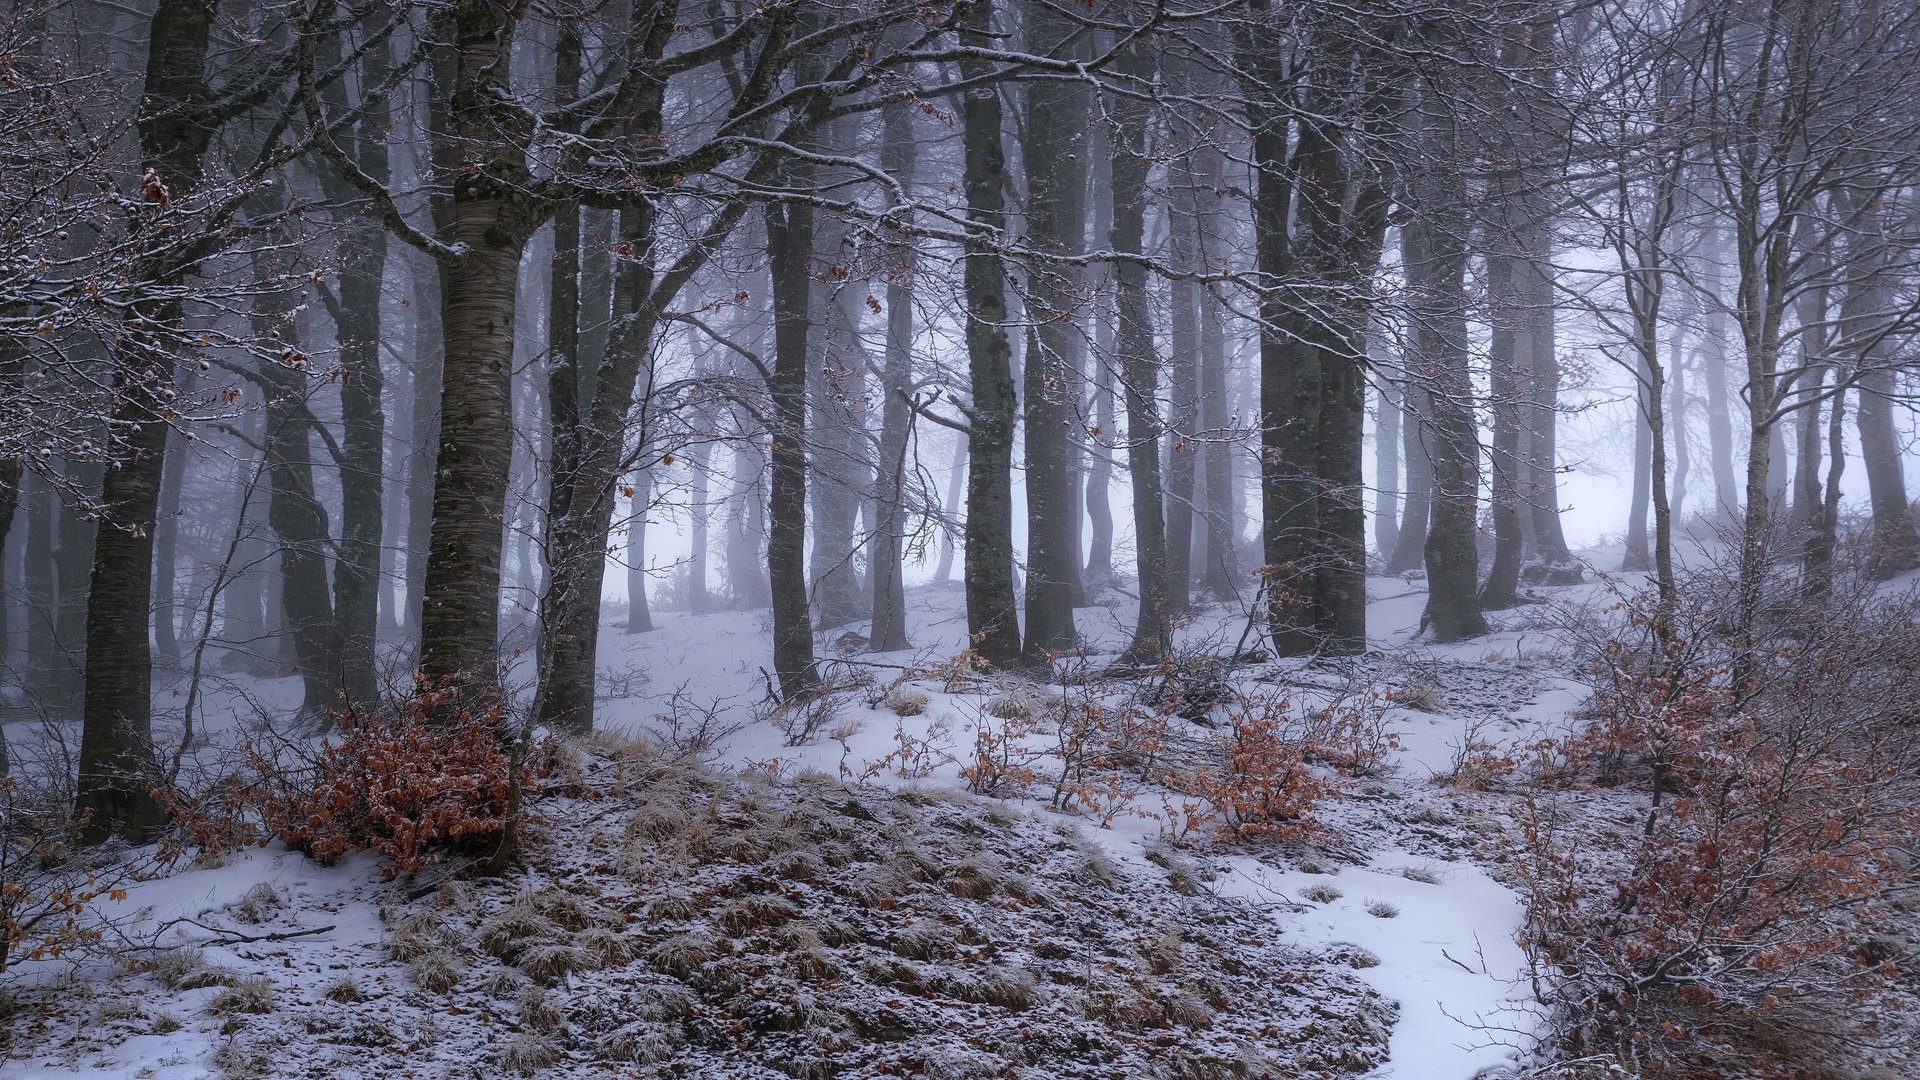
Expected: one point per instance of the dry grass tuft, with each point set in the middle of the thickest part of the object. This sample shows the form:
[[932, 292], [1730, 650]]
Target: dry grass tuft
[[528, 1054], [253, 994], [258, 904], [437, 971], [547, 961]]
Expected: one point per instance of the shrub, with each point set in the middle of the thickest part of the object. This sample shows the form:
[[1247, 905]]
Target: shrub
[[409, 785], [1262, 784], [1770, 807]]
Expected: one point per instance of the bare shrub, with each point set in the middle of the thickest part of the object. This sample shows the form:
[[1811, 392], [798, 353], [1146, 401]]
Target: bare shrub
[[1261, 783], [422, 780], [803, 718], [1774, 772], [1477, 762]]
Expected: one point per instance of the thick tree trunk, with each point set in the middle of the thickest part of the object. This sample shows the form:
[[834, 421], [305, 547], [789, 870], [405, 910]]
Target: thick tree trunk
[[460, 610], [993, 622], [363, 435], [1895, 544], [790, 247], [1434, 243], [113, 795], [1289, 373], [300, 523], [1054, 151]]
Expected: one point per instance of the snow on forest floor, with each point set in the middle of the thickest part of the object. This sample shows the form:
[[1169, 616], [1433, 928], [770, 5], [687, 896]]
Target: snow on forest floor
[[1040, 933]]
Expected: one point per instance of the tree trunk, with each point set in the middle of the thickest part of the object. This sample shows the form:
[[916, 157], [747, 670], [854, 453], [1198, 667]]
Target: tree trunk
[[1713, 375], [886, 572], [41, 588], [1505, 381], [460, 610], [1435, 255], [950, 508], [789, 249], [1183, 325], [1637, 556], [1220, 576], [1386, 468], [1416, 415], [300, 522], [362, 468], [1128, 151], [993, 622], [639, 614], [113, 796], [1054, 150]]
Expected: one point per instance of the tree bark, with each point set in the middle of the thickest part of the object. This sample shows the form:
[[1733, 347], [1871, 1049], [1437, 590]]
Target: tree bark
[[1416, 414], [1435, 255], [488, 216], [886, 573], [1054, 150], [113, 796], [789, 249], [639, 614], [993, 622], [1128, 152]]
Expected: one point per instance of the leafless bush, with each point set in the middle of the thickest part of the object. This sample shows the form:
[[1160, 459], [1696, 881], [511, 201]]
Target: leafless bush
[[1776, 773], [1477, 762]]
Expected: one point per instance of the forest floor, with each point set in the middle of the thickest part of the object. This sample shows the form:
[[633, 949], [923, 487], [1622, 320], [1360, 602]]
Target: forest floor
[[844, 907]]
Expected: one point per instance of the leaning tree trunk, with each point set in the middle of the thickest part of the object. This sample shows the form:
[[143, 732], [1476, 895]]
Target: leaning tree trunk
[[993, 622]]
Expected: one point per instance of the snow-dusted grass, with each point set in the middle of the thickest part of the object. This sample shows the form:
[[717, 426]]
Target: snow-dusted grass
[[680, 918]]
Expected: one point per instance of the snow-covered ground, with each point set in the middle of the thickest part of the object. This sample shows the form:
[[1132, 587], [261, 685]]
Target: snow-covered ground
[[1405, 881]]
